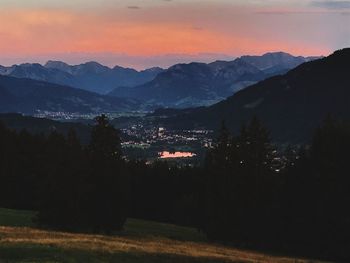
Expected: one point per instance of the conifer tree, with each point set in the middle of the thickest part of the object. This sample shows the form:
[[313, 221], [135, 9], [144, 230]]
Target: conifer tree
[[109, 183]]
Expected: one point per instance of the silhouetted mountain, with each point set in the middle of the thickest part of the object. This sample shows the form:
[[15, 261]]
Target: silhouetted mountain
[[29, 96], [90, 76], [59, 65], [291, 106], [38, 72], [197, 84]]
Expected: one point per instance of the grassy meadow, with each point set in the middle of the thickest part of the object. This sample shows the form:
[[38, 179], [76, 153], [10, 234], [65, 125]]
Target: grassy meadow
[[140, 242]]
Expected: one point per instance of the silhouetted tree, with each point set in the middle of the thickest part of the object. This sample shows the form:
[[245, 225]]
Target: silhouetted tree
[[85, 189], [239, 173], [108, 196]]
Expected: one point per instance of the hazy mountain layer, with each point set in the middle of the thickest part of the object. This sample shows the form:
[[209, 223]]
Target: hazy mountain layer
[[90, 76], [30, 96]]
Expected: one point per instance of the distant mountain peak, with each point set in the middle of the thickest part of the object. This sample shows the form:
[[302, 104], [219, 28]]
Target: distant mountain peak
[[278, 53], [52, 64], [55, 63], [153, 69], [94, 64], [90, 67], [272, 61], [28, 65]]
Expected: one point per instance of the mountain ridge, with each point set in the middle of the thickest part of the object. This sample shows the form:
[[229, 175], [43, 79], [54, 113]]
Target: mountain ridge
[[200, 84], [90, 76]]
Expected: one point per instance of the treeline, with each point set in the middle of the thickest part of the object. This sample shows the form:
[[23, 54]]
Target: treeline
[[301, 206], [90, 188], [245, 193], [72, 187]]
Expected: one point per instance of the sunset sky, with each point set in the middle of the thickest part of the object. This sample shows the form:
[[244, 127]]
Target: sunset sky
[[145, 33]]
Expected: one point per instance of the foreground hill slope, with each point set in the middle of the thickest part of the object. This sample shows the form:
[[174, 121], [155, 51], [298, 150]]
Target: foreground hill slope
[[140, 242], [291, 105]]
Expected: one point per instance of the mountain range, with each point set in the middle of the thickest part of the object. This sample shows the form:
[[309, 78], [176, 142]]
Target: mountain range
[[90, 76], [198, 84], [290, 105], [180, 86]]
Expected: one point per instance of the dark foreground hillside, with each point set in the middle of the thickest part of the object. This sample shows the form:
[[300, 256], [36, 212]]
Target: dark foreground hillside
[[141, 241]]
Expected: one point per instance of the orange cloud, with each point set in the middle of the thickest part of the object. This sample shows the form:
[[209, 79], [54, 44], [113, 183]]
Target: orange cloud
[[141, 32]]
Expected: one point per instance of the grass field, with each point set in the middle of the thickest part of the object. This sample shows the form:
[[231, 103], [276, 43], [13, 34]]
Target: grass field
[[140, 242]]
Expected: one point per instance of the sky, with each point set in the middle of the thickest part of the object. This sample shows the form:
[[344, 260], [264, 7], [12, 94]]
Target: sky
[[147, 33]]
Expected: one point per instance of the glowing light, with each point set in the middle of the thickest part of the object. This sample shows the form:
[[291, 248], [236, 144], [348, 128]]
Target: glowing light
[[168, 155]]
